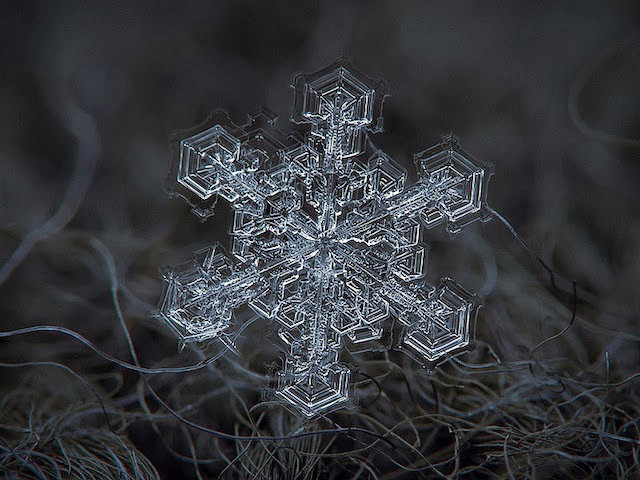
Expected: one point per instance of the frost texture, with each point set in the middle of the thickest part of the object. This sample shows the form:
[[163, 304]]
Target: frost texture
[[326, 237]]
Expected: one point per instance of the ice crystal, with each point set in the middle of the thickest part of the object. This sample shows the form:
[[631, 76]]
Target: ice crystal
[[326, 237]]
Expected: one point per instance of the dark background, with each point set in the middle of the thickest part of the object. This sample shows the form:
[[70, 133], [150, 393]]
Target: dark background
[[549, 92]]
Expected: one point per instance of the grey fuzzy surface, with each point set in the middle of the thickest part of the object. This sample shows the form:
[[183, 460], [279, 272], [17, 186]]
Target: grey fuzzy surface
[[547, 92]]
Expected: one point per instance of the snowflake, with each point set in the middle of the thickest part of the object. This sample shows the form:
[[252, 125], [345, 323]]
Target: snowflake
[[326, 237]]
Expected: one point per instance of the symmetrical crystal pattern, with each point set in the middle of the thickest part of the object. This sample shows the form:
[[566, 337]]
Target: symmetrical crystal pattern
[[326, 237]]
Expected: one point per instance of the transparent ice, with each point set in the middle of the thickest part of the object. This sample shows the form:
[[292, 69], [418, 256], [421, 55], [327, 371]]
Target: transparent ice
[[326, 238]]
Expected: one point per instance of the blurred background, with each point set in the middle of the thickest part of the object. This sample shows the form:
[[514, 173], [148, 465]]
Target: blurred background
[[549, 92]]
